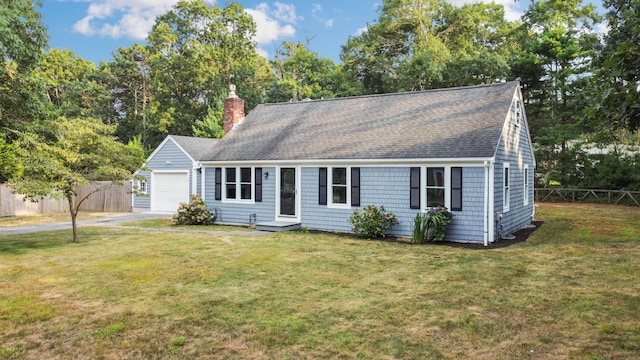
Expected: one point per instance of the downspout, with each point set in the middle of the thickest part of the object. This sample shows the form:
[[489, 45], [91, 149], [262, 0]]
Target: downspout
[[194, 180], [486, 203], [202, 180]]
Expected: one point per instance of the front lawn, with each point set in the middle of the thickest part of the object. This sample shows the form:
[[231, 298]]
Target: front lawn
[[167, 223], [572, 290]]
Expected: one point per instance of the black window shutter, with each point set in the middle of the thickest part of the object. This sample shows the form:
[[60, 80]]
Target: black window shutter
[[355, 186], [218, 183], [414, 188], [322, 186], [456, 188], [258, 184]]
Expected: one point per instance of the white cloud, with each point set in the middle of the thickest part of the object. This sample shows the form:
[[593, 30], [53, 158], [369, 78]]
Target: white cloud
[[318, 14], [602, 29], [135, 18], [273, 25], [123, 18], [361, 31], [268, 29], [286, 13], [84, 26]]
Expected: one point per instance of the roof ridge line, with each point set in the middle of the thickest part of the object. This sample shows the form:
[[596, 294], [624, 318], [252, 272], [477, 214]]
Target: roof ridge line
[[393, 94]]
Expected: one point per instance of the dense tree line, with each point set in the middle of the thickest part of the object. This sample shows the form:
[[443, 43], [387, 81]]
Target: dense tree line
[[577, 85]]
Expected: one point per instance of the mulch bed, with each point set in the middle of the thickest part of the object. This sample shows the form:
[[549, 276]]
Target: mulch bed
[[521, 236]]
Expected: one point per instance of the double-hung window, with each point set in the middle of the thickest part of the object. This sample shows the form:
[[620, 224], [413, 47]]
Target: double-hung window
[[142, 187], [435, 187], [238, 184], [526, 184], [517, 112], [339, 186], [506, 195], [339, 189]]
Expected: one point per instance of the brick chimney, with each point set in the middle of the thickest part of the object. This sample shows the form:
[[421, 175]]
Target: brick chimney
[[233, 109]]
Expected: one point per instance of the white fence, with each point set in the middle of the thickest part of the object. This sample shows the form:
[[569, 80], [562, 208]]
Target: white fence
[[114, 198]]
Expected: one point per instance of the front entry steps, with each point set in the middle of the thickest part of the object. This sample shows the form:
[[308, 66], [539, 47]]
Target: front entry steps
[[278, 226]]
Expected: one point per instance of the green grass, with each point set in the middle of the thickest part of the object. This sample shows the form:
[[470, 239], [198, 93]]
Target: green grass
[[570, 291], [166, 223]]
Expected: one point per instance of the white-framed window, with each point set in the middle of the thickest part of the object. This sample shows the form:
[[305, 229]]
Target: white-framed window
[[339, 190], [506, 193], [142, 187], [526, 184], [436, 188], [517, 112], [433, 186], [238, 184]]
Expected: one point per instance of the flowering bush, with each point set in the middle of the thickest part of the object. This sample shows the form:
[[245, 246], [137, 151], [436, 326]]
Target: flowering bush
[[372, 222], [432, 225], [193, 213]]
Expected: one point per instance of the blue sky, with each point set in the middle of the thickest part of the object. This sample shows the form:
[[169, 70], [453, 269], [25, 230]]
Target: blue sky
[[94, 29]]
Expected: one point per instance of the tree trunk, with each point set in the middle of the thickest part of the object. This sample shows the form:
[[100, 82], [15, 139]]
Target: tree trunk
[[74, 215]]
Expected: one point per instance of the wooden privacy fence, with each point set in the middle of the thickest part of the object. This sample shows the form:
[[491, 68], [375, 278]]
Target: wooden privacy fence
[[114, 198], [618, 197]]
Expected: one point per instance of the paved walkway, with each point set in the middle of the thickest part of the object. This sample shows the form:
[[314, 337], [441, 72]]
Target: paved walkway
[[113, 221]]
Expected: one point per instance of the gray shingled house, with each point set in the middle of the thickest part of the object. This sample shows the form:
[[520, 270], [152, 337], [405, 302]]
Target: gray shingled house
[[311, 163]]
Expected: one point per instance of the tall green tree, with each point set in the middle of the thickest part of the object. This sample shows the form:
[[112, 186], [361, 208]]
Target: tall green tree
[[196, 51], [127, 78], [300, 74], [616, 100], [401, 52], [425, 44], [558, 45], [481, 42], [9, 165], [74, 87], [69, 153], [22, 38]]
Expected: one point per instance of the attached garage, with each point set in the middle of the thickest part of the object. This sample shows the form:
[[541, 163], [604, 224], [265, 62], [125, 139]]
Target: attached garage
[[168, 190], [171, 173]]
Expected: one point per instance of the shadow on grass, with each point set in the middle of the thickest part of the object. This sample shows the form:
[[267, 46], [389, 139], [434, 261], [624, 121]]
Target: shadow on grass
[[21, 244]]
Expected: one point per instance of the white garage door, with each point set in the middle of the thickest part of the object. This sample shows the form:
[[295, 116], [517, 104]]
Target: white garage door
[[168, 190]]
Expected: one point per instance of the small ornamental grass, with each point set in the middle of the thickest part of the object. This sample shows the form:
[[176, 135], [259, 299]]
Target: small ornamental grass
[[431, 226], [193, 213], [373, 221]]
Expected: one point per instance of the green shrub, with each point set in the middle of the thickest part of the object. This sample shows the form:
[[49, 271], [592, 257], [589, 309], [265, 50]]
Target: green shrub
[[432, 225], [372, 222], [193, 213]]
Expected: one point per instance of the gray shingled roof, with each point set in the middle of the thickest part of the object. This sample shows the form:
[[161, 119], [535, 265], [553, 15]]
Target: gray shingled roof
[[197, 148], [461, 122]]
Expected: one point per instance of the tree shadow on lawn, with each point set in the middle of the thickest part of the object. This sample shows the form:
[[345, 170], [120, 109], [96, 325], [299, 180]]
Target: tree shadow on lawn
[[22, 243]]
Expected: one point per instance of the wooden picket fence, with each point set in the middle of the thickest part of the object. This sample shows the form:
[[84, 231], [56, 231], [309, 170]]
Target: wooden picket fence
[[618, 197], [112, 198]]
